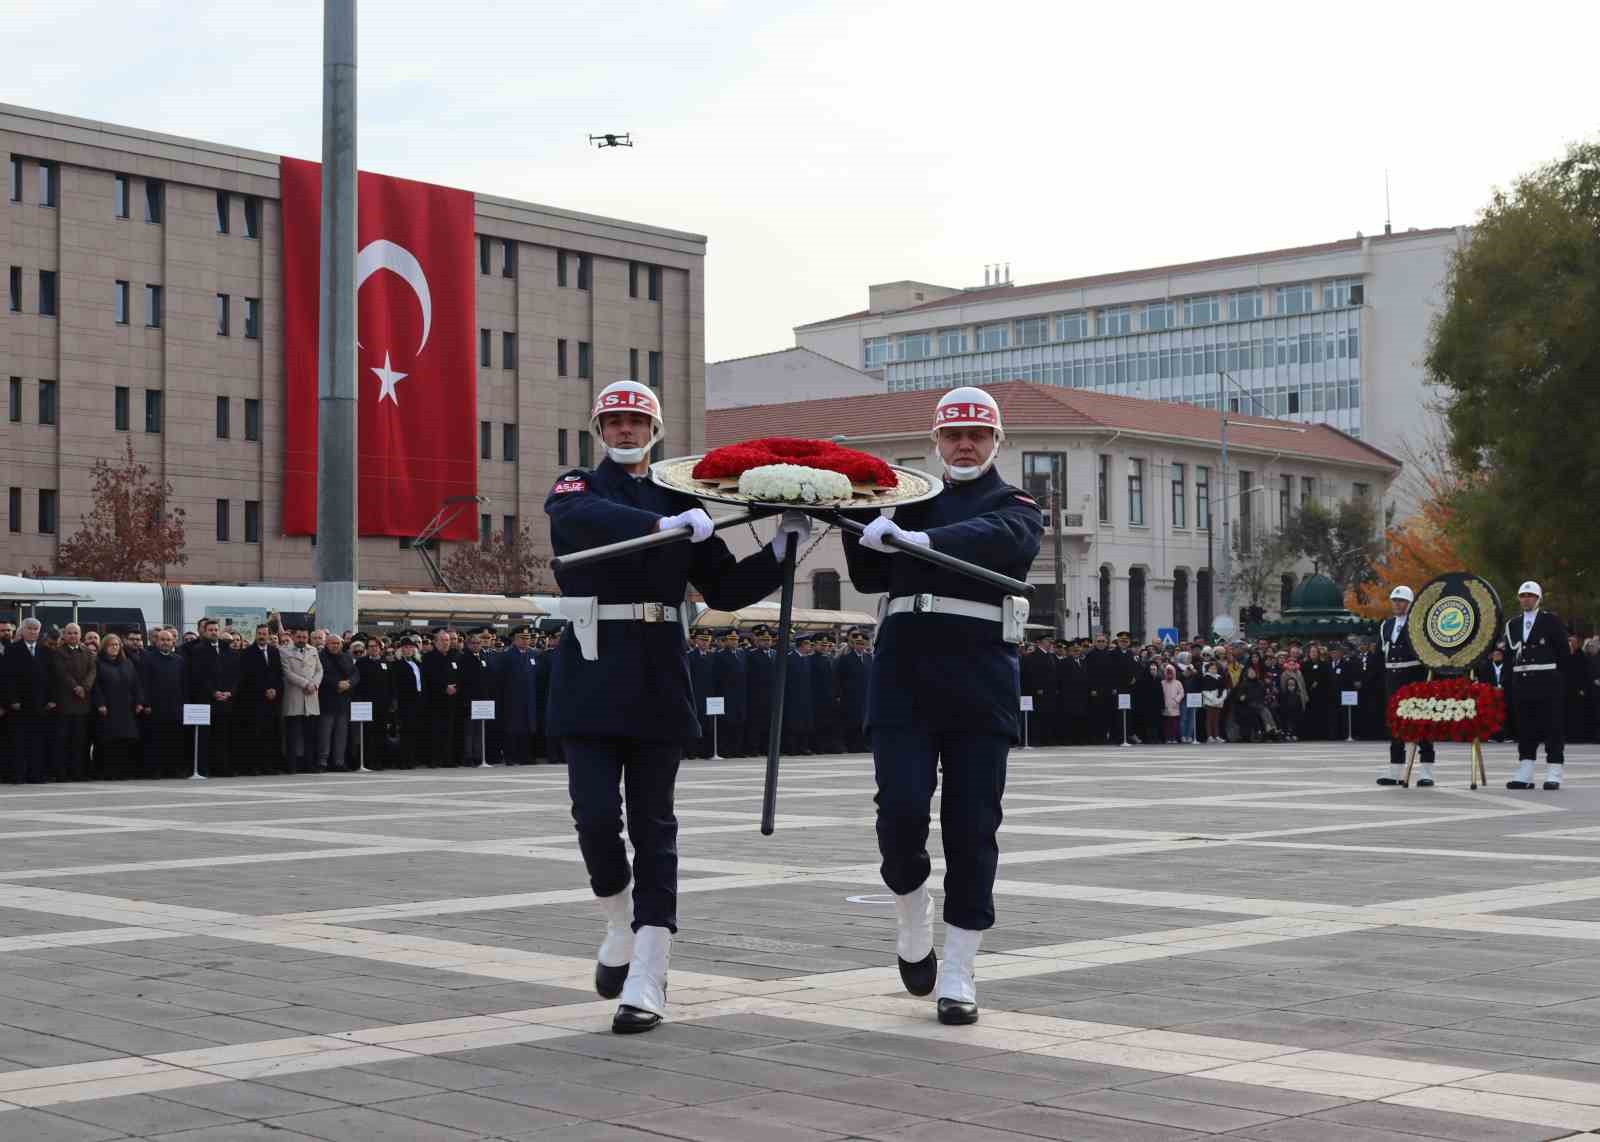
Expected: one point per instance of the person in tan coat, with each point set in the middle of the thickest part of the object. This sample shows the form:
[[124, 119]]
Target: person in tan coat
[[302, 678], [72, 670]]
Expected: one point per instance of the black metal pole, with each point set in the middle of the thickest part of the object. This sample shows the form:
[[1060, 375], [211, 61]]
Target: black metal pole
[[645, 542], [780, 681], [949, 562]]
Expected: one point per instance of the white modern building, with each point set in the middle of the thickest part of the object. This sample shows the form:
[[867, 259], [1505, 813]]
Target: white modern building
[[1326, 334], [1141, 494]]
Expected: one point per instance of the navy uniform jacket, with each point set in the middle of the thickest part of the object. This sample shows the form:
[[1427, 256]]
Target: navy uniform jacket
[[514, 685], [701, 683], [852, 673], [1546, 645], [945, 672], [728, 680], [799, 695], [758, 666], [1400, 650], [639, 687], [824, 692]]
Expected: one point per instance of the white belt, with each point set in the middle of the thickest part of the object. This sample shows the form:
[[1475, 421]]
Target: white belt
[[939, 605], [1402, 665], [639, 613], [1534, 666]]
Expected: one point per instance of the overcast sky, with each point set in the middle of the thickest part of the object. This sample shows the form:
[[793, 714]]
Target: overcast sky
[[825, 144]]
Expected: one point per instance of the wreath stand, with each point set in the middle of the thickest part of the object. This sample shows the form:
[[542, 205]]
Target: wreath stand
[[1477, 775]]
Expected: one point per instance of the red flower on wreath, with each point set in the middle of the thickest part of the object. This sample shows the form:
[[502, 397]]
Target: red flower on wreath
[[734, 460], [1488, 712]]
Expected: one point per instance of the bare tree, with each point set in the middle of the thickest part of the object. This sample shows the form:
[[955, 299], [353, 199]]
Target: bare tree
[[130, 533]]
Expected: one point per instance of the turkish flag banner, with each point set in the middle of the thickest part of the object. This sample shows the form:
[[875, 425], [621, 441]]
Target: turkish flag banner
[[416, 372]]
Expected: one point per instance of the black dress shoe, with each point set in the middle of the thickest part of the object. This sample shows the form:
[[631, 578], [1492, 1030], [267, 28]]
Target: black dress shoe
[[1519, 785], [1552, 785], [920, 977], [1388, 781], [608, 981], [1425, 783], [957, 1013], [630, 1020]]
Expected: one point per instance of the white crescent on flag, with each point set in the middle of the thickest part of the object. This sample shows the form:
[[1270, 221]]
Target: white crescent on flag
[[386, 255]]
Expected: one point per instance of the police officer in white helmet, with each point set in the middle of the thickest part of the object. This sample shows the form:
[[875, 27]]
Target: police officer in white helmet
[[942, 692], [1401, 666], [1537, 642]]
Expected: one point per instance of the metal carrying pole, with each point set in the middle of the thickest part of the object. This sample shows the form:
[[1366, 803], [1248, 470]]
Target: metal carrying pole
[[646, 542], [780, 681], [928, 555]]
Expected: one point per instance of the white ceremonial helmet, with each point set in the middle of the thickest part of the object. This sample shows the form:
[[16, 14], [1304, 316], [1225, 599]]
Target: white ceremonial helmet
[[628, 396], [968, 407], [1402, 592], [1530, 588]]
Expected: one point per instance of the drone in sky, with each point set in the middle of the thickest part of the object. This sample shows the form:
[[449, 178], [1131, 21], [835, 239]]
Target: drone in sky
[[610, 140]]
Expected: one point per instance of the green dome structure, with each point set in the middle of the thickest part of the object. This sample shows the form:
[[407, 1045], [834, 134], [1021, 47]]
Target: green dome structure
[[1316, 610]]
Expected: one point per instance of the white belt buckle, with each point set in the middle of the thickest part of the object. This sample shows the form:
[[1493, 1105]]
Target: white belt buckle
[[922, 604], [653, 612]]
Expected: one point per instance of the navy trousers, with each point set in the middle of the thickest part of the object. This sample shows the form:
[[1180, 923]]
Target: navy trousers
[[906, 764], [603, 774]]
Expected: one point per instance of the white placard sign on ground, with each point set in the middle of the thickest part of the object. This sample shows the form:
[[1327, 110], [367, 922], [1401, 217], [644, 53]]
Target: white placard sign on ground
[[361, 711], [1027, 703], [1349, 697], [196, 714], [716, 707], [1124, 701], [483, 711], [1195, 700]]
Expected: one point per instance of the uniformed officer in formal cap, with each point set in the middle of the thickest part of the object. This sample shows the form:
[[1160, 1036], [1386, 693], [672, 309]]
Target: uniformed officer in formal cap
[[624, 719], [1537, 641], [759, 664], [943, 692], [1401, 666]]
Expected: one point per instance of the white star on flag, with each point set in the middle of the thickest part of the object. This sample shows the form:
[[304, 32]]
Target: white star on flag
[[388, 378]]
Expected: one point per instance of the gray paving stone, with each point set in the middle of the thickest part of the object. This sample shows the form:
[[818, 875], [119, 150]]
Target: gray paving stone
[[1244, 1096], [928, 1101], [365, 1124], [1144, 1107], [817, 1113], [348, 1085], [38, 1126], [575, 1100], [1047, 1122], [247, 1099], [478, 1115], [1433, 1123], [240, 1132], [140, 1114]]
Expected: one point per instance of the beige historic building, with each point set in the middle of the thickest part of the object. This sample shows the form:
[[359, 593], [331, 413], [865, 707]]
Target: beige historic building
[[144, 303]]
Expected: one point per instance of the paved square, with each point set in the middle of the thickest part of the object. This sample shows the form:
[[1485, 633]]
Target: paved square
[[1193, 942]]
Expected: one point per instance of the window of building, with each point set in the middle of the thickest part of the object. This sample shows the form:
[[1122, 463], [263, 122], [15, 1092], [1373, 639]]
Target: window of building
[[1180, 602], [1202, 496], [1105, 599], [1294, 299], [561, 447], [1285, 492], [585, 271], [654, 362], [1341, 293], [655, 283], [222, 521], [585, 370], [485, 529], [1361, 491], [1180, 477], [224, 418], [952, 341], [14, 302], [252, 418], [1136, 492], [561, 268], [1247, 531], [1113, 321], [1032, 331], [993, 336], [1157, 315], [508, 350], [1204, 605], [1308, 490], [633, 279], [154, 194], [1040, 473], [1103, 488], [47, 402], [585, 450], [119, 407], [120, 302], [14, 400], [633, 364], [913, 346], [561, 356], [119, 196], [485, 440], [1072, 326], [825, 590], [222, 315], [1291, 402], [1244, 305], [483, 254], [252, 216], [1201, 310], [152, 410], [252, 318], [252, 521], [485, 348], [222, 211], [14, 510], [152, 306], [508, 443], [1136, 623], [16, 179], [508, 258], [49, 184], [508, 526], [47, 511], [875, 352], [47, 293]]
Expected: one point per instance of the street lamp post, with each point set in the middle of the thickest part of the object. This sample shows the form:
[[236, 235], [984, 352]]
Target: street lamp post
[[1227, 538], [1210, 572]]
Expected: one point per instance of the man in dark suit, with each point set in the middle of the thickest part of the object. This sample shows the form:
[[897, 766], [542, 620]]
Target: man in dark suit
[[441, 694], [1537, 640], [211, 671], [824, 695], [1496, 671], [373, 684], [32, 708], [514, 680], [1071, 696], [1104, 671], [255, 706], [758, 691], [729, 681], [165, 689], [408, 717], [798, 708], [702, 685], [853, 670], [339, 678], [1037, 664]]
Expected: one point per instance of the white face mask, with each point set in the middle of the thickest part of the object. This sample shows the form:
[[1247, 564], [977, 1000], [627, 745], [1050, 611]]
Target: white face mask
[[627, 455]]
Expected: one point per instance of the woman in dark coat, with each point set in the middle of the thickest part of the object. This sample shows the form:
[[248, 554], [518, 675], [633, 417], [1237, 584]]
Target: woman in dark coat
[[1147, 700], [117, 698]]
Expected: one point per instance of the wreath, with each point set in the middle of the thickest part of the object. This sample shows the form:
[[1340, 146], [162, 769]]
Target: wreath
[[1453, 709], [731, 461]]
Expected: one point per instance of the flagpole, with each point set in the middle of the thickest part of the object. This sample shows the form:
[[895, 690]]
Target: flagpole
[[336, 349]]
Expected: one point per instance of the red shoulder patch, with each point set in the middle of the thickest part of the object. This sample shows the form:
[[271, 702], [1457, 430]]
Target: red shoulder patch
[[569, 484], [1030, 501]]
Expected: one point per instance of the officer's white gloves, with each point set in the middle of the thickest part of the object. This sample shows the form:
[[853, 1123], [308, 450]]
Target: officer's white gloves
[[695, 518], [883, 528], [797, 524]]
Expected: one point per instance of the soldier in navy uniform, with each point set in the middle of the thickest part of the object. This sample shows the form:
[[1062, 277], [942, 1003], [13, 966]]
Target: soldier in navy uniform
[[799, 711], [758, 691], [1401, 666], [855, 664], [824, 695], [514, 682], [943, 694], [729, 681], [702, 686], [624, 718], [1537, 641]]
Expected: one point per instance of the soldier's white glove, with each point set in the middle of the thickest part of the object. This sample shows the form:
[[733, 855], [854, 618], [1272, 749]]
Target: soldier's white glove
[[695, 518], [797, 524], [884, 528]]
